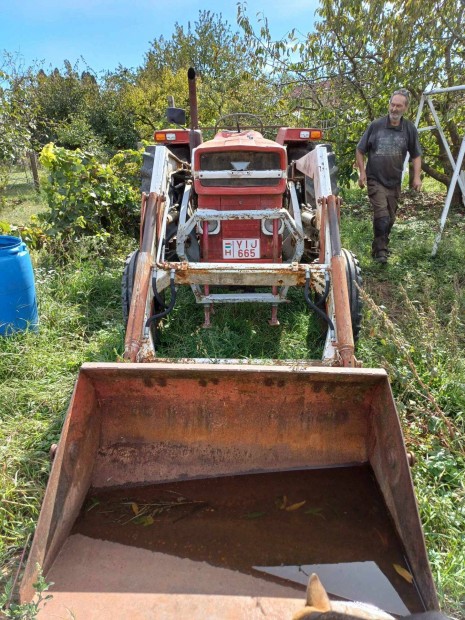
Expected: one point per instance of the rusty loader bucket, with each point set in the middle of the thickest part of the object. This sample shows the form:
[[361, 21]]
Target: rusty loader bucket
[[211, 491]]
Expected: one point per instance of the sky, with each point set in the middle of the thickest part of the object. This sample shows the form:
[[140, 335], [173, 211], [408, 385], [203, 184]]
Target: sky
[[107, 33]]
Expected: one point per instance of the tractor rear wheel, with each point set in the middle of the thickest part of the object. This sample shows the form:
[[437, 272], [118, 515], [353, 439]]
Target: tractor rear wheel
[[354, 280]]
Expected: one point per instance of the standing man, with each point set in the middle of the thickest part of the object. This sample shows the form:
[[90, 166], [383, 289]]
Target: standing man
[[386, 143]]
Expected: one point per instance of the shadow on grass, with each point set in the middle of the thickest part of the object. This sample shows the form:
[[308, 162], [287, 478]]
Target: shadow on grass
[[240, 331], [21, 190]]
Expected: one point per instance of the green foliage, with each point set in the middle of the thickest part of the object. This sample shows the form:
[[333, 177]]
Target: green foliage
[[4, 175], [343, 74], [32, 234], [423, 354], [147, 98], [112, 118], [74, 110], [229, 79], [25, 611], [238, 333], [87, 197], [415, 331], [359, 53], [16, 111], [21, 201], [75, 132]]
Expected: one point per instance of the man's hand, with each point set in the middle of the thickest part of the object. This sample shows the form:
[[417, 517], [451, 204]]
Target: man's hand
[[416, 183], [360, 163]]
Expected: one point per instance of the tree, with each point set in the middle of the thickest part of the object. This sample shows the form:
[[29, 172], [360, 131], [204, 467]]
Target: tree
[[16, 116], [112, 117], [229, 79], [16, 110], [76, 110], [359, 53]]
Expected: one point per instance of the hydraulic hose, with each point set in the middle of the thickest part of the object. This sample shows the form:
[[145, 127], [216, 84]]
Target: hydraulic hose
[[168, 308], [314, 307], [322, 300], [156, 294]]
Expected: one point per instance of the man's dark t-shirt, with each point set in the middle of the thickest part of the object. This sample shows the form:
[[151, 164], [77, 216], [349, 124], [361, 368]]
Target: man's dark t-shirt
[[386, 146]]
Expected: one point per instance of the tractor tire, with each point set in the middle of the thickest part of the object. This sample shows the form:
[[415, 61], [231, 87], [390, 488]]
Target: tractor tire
[[354, 279], [127, 285], [309, 186]]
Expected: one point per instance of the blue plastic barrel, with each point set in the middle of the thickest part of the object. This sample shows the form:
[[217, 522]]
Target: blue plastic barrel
[[18, 304]]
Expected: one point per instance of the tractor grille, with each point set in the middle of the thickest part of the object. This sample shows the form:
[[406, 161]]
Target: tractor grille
[[239, 168]]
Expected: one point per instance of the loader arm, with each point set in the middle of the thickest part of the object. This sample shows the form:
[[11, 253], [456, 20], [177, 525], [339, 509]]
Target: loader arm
[[157, 204]]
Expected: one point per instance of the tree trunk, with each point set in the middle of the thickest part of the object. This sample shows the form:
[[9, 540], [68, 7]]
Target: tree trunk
[[457, 200], [35, 172]]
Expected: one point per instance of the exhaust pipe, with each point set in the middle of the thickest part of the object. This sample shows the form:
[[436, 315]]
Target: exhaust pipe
[[195, 135], [193, 98]]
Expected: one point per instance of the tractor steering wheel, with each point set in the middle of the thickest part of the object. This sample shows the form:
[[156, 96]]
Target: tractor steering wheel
[[232, 122]]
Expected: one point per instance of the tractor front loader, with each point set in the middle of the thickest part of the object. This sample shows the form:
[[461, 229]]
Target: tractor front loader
[[213, 488]]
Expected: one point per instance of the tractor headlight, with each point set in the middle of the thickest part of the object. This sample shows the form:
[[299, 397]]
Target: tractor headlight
[[213, 227], [267, 227]]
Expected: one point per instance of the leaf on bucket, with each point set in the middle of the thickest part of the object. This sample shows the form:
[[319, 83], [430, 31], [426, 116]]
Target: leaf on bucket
[[92, 503], [281, 502], [403, 572], [315, 512], [295, 506], [142, 520], [135, 508], [254, 515]]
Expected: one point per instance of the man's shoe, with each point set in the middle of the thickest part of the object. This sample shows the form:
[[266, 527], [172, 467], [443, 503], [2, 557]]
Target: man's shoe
[[381, 257]]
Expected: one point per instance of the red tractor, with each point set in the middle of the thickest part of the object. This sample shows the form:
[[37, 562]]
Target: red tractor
[[244, 212]]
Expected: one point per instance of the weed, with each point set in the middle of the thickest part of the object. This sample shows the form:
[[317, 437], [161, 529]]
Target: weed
[[24, 611]]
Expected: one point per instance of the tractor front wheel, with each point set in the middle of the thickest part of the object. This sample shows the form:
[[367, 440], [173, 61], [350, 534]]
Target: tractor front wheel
[[127, 285], [354, 280]]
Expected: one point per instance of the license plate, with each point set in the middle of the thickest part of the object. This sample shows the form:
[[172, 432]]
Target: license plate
[[241, 248]]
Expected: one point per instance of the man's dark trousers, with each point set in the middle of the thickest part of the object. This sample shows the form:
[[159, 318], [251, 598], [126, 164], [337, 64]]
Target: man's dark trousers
[[384, 201]]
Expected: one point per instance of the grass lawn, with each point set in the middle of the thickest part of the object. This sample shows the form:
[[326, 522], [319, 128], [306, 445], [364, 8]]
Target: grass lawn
[[22, 200]]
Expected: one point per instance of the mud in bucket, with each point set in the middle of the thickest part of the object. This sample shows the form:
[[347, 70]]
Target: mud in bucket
[[18, 305]]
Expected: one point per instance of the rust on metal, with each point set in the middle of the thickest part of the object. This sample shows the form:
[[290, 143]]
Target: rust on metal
[[143, 206], [136, 317], [259, 274], [344, 334], [131, 424], [69, 481]]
